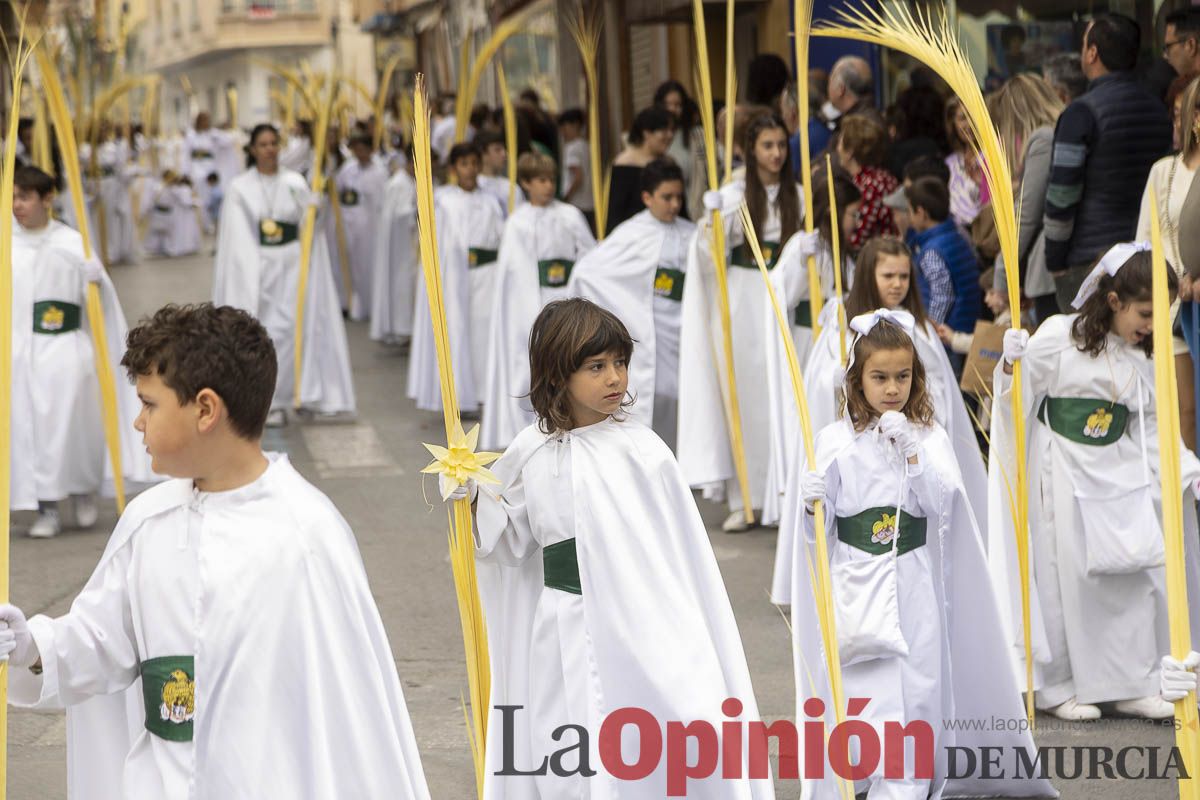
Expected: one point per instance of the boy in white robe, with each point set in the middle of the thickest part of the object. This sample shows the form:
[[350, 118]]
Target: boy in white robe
[[116, 177], [396, 261], [360, 184], [58, 445], [469, 226], [205, 150], [638, 272], [158, 212], [493, 178], [227, 644], [542, 241]]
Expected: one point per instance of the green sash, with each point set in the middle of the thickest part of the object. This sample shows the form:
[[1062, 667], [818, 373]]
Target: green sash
[[668, 283], [561, 567], [55, 316], [169, 692], [554, 272], [108, 172], [276, 233], [872, 530], [803, 315], [1085, 420], [348, 197], [162, 209], [198, 155], [479, 257], [741, 256]]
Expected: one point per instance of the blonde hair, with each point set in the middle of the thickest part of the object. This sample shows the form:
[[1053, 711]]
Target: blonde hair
[[534, 165], [1023, 104]]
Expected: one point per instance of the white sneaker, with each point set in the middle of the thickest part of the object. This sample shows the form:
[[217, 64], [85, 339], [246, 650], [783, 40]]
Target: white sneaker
[[276, 418], [1074, 711], [1152, 707], [735, 523], [47, 524], [86, 512]]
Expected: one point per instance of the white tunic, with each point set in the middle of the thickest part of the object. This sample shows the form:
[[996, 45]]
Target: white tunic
[[497, 186], [264, 280], [116, 177], [360, 219], [397, 260]]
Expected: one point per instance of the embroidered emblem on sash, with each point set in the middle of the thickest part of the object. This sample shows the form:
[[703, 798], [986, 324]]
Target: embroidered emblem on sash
[[53, 318], [178, 699], [1098, 424], [556, 274], [663, 284], [271, 232], [884, 530], [472, 259]]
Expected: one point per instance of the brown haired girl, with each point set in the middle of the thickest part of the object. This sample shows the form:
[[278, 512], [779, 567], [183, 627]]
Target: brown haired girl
[[598, 582], [921, 645], [1094, 491], [773, 200], [862, 149]]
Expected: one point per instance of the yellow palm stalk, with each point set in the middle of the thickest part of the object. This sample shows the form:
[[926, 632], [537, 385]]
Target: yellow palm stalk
[[935, 43], [317, 184], [42, 158], [300, 84], [380, 105], [231, 99], [818, 563], [335, 205], [730, 91], [468, 90], [836, 246], [733, 413], [64, 132], [1166, 402], [460, 461], [802, 13], [19, 60], [510, 136], [585, 30]]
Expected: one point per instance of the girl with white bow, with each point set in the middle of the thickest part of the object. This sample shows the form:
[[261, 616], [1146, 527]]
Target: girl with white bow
[[1099, 621], [916, 624]]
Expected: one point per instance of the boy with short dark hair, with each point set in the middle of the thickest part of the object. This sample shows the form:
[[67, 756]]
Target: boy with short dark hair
[[493, 176], [469, 226], [58, 445], [227, 644], [542, 240], [638, 273], [360, 183], [576, 186], [947, 269]]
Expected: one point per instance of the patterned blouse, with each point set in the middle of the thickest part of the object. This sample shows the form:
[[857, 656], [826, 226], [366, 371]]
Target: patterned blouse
[[968, 194], [874, 218]]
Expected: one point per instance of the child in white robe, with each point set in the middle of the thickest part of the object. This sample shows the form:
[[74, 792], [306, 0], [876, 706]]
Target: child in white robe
[[397, 259], [360, 184], [639, 272], [493, 174], [907, 568], [598, 582], [208, 655], [542, 241], [1099, 622], [58, 447], [469, 227]]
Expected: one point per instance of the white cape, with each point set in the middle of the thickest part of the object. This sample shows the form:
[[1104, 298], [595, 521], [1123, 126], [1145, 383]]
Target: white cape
[[361, 223], [397, 262]]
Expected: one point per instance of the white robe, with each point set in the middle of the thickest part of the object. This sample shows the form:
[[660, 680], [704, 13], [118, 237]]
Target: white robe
[[397, 260], [620, 275], [58, 445], [295, 687], [116, 176], [955, 668], [264, 281], [297, 154], [465, 220], [205, 152], [361, 223], [651, 629], [531, 234], [173, 227], [497, 186], [705, 452], [1095, 637]]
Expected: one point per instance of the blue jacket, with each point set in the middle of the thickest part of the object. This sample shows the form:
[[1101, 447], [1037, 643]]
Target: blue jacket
[[949, 243]]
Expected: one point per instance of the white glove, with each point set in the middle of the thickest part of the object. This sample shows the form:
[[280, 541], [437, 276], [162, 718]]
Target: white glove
[[1016, 342], [1178, 677], [93, 270], [812, 488], [16, 642], [712, 200], [896, 428], [453, 491], [810, 243]]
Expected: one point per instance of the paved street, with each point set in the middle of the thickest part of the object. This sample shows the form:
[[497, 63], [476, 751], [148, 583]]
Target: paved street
[[371, 471]]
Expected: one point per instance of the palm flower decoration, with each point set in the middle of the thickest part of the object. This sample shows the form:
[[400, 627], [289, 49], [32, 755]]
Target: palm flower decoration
[[459, 461]]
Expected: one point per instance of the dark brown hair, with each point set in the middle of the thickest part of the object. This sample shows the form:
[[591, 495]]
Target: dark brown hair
[[756, 193], [931, 194], [864, 294], [565, 334], [845, 194], [885, 336], [1132, 284], [864, 139], [203, 346]]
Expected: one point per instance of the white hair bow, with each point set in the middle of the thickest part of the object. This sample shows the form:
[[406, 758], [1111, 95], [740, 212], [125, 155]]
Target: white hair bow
[[1110, 264], [864, 323]]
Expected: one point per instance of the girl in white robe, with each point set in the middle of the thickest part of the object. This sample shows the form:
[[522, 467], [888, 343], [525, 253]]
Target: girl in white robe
[[360, 184], [907, 570], [397, 261], [469, 226], [543, 239], [773, 197], [1100, 617], [257, 269], [599, 585]]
